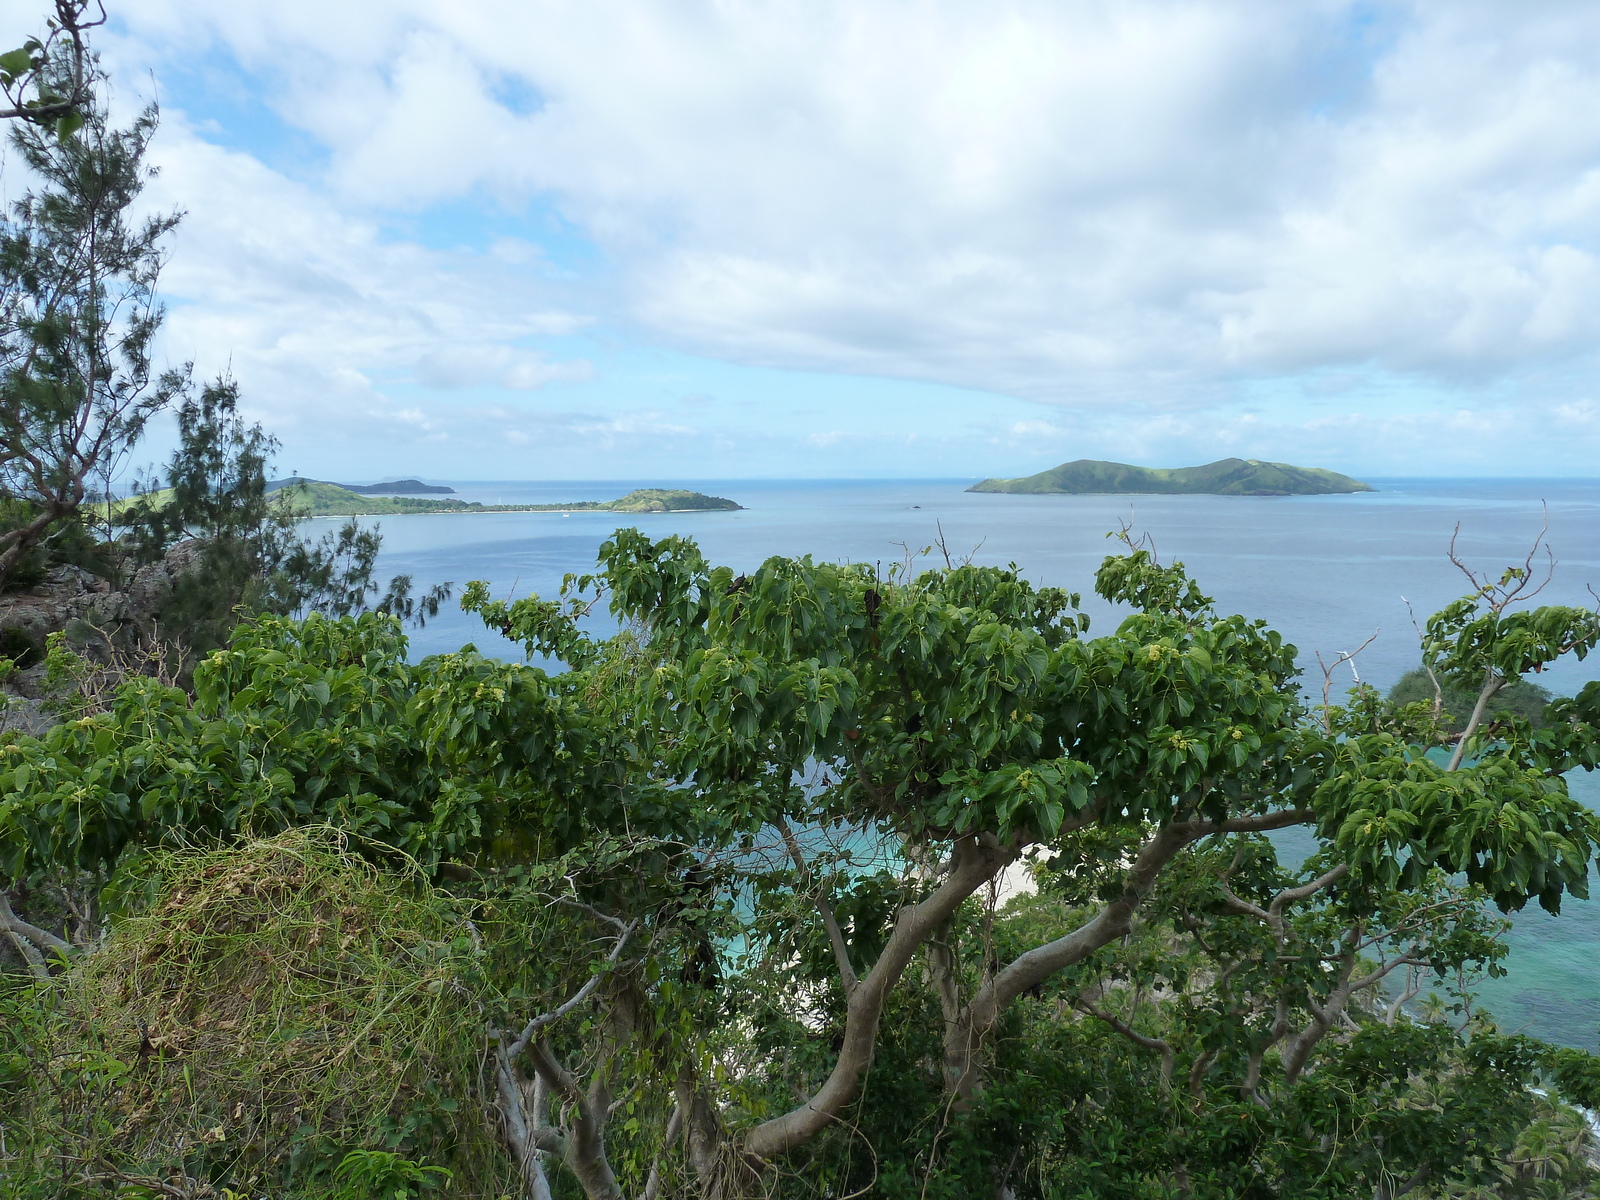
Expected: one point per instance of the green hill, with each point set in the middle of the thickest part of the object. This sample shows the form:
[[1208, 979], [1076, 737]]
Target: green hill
[[669, 500], [1228, 477], [399, 487], [330, 500]]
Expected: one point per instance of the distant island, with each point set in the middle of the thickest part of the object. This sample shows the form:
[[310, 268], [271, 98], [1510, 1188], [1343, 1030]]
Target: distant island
[[1227, 477], [391, 487], [320, 499], [399, 487], [316, 498]]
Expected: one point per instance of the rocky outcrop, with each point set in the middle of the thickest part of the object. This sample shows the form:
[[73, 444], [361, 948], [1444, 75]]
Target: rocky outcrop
[[97, 617]]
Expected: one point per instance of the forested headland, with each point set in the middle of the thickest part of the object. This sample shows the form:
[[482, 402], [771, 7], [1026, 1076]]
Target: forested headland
[[802, 880]]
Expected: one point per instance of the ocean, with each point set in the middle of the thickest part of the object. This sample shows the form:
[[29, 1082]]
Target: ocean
[[1327, 571]]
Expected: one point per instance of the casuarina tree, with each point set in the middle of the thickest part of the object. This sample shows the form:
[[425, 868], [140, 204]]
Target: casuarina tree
[[78, 312]]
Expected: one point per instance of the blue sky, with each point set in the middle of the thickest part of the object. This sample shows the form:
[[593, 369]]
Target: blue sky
[[882, 238]]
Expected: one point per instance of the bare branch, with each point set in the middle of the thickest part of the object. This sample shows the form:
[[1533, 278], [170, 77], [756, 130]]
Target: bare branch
[[1328, 668], [584, 1146], [1378, 974], [1413, 985], [583, 993], [605, 917], [943, 549], [1422, 638], [1160, 1045], [1493, 681], [1244, 907], [525, 1133], [1511, 589], [29, 939], [841, 952], [1197, 1072], [40, 937], [584, 1149], [1280, 1029], [652, 1186], [1306, 890]]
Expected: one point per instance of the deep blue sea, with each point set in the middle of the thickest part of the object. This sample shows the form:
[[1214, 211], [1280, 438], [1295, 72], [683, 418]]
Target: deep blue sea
[[1328, 571]]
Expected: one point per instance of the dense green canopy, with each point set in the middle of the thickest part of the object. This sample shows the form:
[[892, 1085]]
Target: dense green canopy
[[815, 879]]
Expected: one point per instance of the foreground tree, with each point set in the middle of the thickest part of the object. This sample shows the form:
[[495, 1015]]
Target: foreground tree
[[962, 715], [736, 875], [78, 312], [250, 553]]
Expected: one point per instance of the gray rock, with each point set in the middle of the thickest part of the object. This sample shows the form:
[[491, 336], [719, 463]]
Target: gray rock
[[149, 589], [31, 621], [25, 714], [30, 684], [107, 609], [89, 611]]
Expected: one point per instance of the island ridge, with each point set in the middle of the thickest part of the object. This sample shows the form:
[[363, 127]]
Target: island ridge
[[1227, 477]]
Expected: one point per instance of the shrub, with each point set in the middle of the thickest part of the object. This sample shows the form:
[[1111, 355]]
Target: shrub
[[275, 1007]]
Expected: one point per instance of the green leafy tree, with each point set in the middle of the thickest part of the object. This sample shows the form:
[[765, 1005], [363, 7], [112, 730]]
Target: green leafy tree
[[739, 872], [963, 715], [51, 82]]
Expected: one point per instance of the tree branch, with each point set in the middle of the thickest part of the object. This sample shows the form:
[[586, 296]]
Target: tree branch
[[1161, 1045], [1114, 920], [29, 939], [524, 1132], [974, 865], [1492, 683], [841, 952], [584, 1147], [1273, 913], [1407, 993], [652, 1185], [69, 21], [578, 997]]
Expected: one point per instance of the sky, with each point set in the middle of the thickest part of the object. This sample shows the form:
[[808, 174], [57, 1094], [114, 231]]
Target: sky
[[680, 240]]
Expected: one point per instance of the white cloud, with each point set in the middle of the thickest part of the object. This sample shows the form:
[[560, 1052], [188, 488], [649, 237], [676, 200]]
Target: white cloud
[[1063, 201], [456, 366], [317, 312], [1332, 226]]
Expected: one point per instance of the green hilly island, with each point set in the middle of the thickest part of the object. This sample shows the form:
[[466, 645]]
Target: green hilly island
[[1227, 477], [315, 498]]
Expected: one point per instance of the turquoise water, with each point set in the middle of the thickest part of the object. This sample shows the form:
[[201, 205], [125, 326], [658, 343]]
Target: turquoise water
[[1552, 989], [1328, 571]]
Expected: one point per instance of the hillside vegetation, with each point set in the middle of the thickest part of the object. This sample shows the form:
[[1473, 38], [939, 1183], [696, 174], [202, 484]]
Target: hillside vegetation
[[1520, 698], [340, 925], [1226, 477]]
